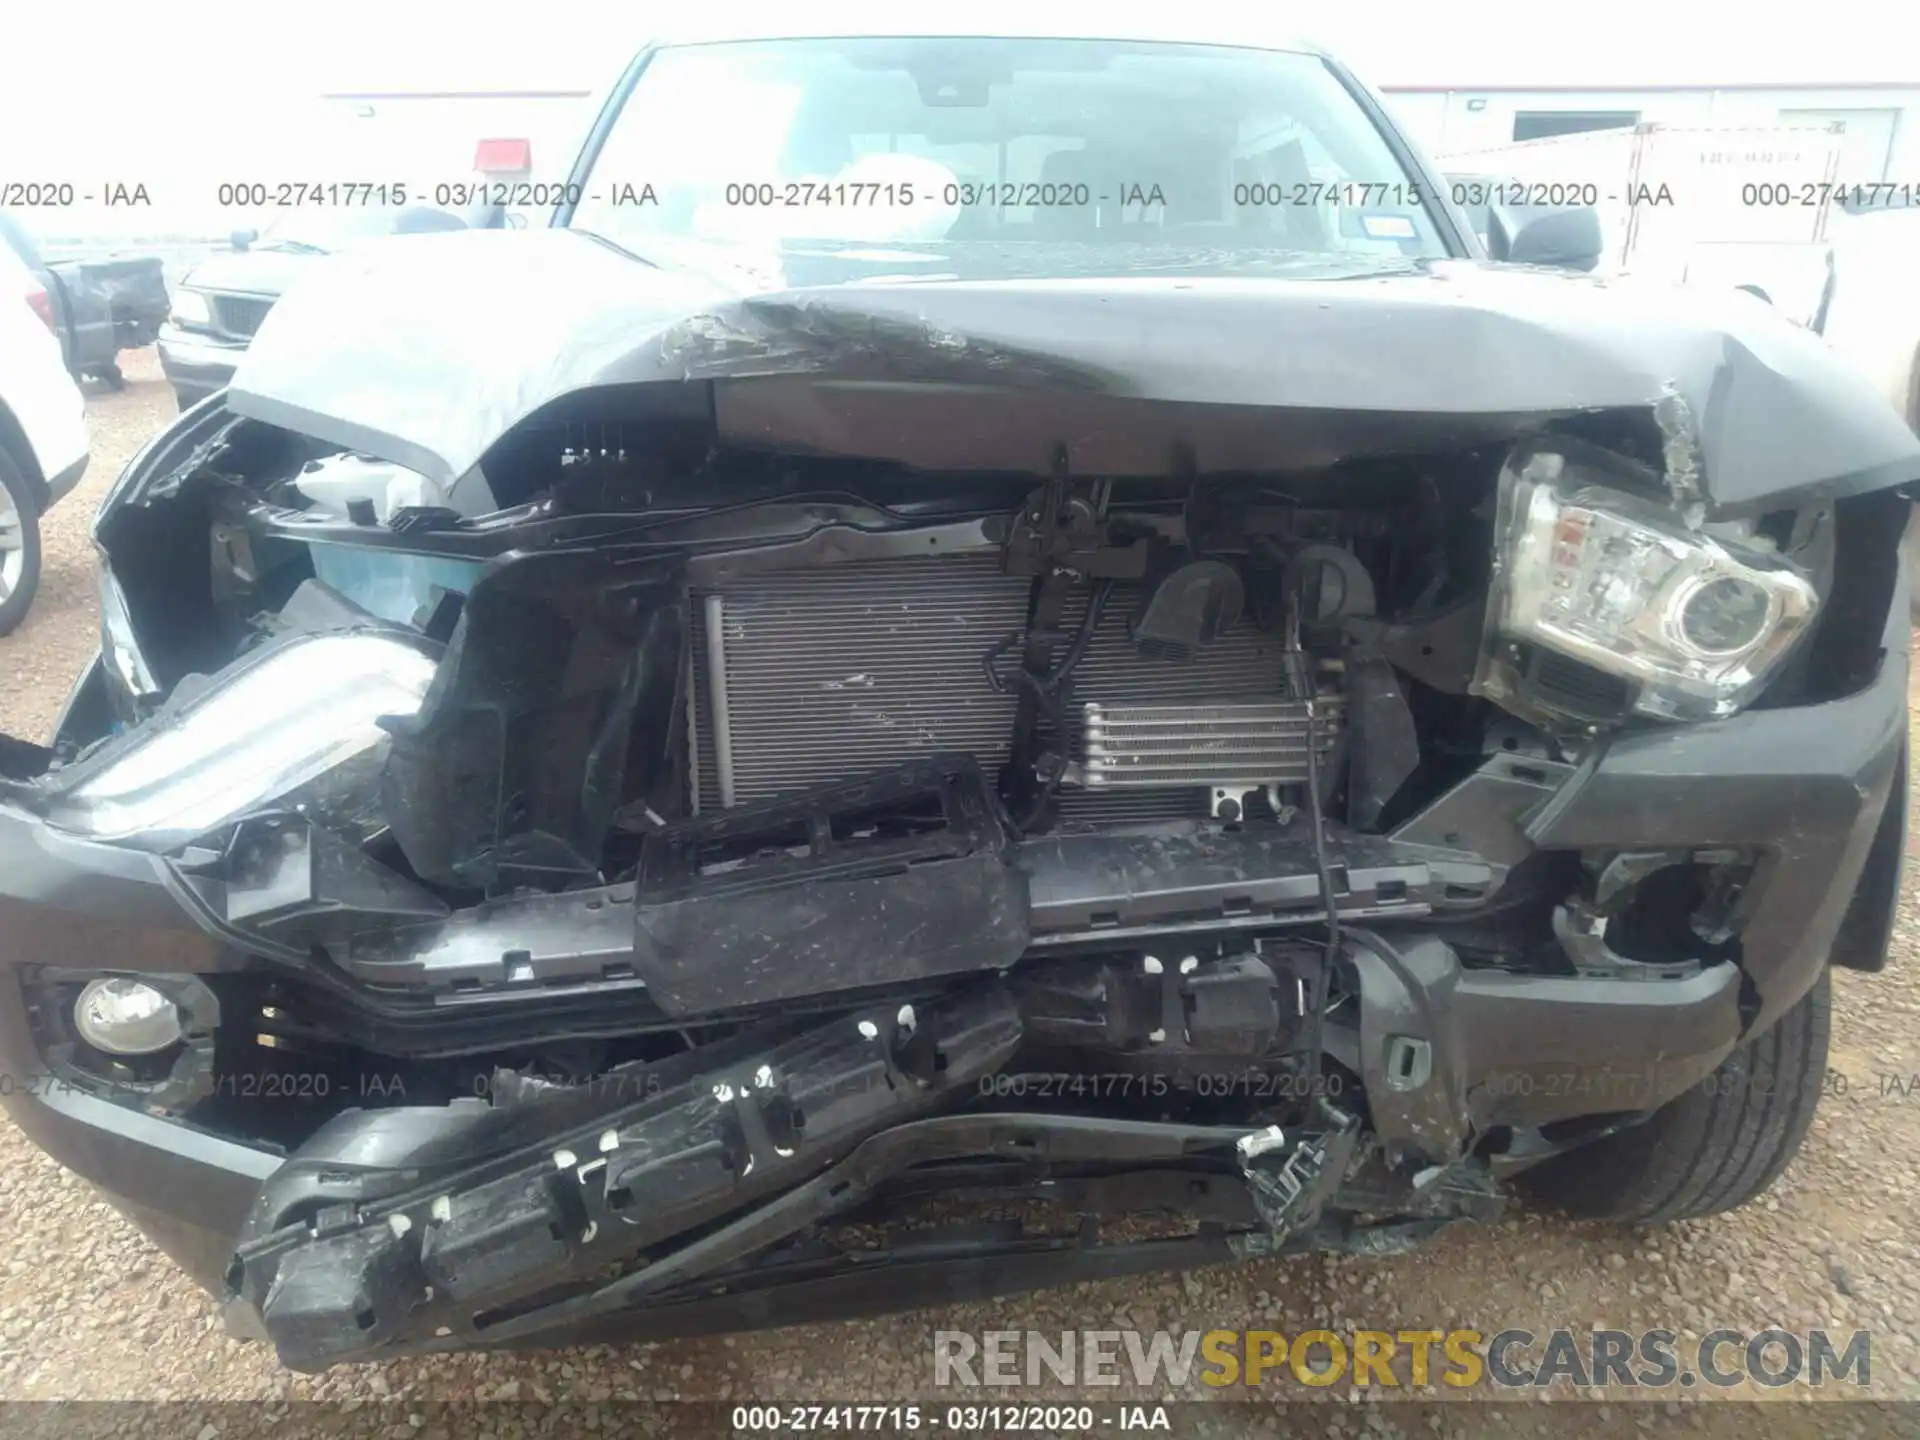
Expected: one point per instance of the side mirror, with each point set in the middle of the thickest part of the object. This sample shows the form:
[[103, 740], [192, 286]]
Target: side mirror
[[1569, 239], [243, 239]]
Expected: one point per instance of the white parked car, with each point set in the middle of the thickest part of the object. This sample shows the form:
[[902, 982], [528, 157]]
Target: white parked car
[[43, 432], [1873, 314]]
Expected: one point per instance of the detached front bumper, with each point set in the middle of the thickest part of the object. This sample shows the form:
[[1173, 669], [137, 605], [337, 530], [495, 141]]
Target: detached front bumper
[[1806, 788]]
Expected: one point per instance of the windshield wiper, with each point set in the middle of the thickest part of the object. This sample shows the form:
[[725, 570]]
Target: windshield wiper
[[296, 247]]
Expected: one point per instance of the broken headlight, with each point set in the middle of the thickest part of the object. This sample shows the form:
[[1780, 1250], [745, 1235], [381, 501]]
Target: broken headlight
[[264, 728], [1687, 624]]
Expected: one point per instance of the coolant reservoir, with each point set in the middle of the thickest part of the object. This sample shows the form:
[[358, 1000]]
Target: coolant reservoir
[[393, 585], [335, 482]]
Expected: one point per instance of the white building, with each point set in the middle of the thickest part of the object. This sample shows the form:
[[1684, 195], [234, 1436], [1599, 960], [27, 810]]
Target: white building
[[1882, 135], [1643, 60]]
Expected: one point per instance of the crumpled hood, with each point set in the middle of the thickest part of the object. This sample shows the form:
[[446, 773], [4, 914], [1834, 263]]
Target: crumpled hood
[[427, 353]]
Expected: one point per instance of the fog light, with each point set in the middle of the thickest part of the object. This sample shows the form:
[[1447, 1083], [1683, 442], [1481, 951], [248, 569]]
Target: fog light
[[125, 1017]]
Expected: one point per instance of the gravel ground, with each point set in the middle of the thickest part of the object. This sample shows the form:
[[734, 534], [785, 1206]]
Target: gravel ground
[[88, 1310]]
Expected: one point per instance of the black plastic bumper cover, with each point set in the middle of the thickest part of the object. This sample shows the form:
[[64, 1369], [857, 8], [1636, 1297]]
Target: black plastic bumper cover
[[1807, 786]]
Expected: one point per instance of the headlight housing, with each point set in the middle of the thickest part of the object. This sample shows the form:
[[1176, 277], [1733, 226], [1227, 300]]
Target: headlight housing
[[190, 307], [1692, 622], [265, 727]]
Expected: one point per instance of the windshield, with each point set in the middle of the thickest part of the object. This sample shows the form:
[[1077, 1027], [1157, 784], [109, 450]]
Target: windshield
[[341, 229], [954, 140]]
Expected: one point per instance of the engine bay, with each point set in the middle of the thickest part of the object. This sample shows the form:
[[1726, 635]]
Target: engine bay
[[1110, 651]]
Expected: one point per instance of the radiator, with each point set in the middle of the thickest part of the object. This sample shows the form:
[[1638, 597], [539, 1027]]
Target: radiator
[[833, 671]]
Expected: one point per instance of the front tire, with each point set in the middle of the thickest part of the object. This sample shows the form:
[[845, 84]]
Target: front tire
[[1715, 1147], [19, 545]]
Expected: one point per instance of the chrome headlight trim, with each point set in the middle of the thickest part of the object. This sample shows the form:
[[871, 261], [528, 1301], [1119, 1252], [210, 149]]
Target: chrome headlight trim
[[259, 730], [1618, 582], [190, 307]]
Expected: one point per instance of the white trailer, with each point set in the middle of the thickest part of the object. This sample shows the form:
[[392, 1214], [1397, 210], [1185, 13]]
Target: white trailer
[[1735, 207]]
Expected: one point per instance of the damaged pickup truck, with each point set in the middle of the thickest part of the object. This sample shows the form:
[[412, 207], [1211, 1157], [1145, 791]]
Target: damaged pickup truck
[[669, 773]]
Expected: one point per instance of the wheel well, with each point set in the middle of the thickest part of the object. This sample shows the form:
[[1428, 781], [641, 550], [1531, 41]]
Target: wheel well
[[13, 440]]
